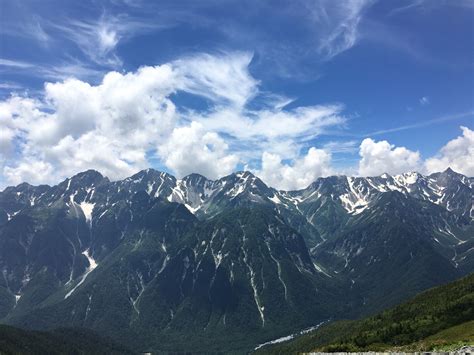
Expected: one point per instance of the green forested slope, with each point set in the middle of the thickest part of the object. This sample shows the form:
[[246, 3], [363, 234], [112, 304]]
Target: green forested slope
[[437, 317], [60, 341]]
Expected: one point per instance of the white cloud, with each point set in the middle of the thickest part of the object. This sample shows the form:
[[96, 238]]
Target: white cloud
[[16, 116], [30, 170], [14, 63], [382, 157], [224, 78], [410, 5], [297, 175], [458, 154], [62, 71], [425, 123], [109, 127], [35, 30], [424, 101], [342, 146], [6, 147], [96, 39], [191, 149], [115, 125], [338, 23], [424, 5], [107, 38], [9, 86], [274, 130]]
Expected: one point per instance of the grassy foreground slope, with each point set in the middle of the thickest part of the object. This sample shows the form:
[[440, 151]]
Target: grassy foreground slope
[[61, 341], [445, 340], [438, 318]]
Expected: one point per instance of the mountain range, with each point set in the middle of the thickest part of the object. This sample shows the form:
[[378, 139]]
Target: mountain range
[[165, 264]]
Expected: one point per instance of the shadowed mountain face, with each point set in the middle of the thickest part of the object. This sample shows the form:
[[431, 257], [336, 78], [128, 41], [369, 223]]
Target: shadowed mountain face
[[196, 264], [57, 342]]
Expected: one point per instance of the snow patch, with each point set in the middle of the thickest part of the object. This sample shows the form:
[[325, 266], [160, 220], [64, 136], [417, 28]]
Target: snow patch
[[275, 199], [92, 266], [320, 269], [87, 209], [289, 337], [193, 210]]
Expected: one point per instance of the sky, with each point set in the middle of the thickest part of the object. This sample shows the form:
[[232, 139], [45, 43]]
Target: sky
[[290, 90]]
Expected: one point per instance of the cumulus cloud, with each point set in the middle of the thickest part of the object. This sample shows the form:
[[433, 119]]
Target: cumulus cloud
[[6, 146], [299, 173], [16, 116], [31, 170], [191, 149], [458, 154], [382, 157], [109, 127], [116, 125]]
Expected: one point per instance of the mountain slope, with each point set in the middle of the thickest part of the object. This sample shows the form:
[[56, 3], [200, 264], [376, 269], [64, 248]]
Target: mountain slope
[[434, 317], [151, 257], [59, 341], [389, 245], [243, 269]]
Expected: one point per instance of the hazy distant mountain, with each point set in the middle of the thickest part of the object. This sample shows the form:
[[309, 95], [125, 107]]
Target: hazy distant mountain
[[196, 264]]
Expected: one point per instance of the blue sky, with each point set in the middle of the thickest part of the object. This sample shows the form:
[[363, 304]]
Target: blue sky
[[291, 90]]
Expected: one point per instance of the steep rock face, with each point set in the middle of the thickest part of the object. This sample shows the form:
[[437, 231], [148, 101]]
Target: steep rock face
[[390, 247], [151, 257], [243, 269]]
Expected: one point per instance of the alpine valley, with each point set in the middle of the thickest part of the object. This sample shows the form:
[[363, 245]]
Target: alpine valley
[[161, 264]]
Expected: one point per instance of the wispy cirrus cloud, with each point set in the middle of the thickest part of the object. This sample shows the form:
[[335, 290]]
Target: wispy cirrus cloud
[[408, 5], [327, 29], [36, 31], [425, 5], [96, 39], [32, 30], [99, 38], [344, 147], [338, 24], [9, 86], [425, 100], [12, 63], [421, 124], [50, 71]]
